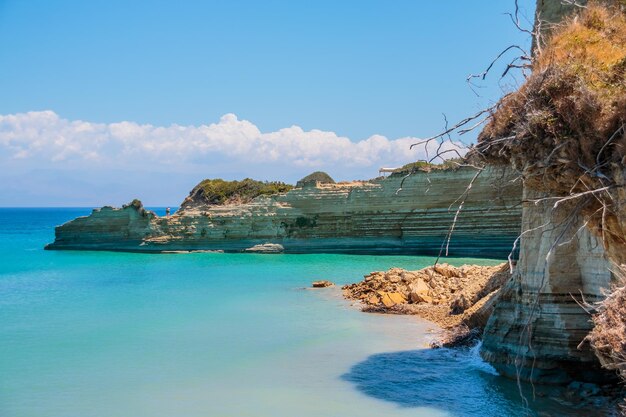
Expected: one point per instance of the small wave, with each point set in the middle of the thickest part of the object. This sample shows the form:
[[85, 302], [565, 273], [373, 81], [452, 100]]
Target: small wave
[[477, 362]]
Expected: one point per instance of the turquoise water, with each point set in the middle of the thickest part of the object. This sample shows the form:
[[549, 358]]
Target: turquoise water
[[86, 334]]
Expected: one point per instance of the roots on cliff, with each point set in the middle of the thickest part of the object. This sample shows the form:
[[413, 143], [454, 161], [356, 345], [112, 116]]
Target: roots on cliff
[[567, 120], [565, 128], [608, 337]]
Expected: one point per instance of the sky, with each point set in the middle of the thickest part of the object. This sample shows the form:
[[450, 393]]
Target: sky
[[105, 101]]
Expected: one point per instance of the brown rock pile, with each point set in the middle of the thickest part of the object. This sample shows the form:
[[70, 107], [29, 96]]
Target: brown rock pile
[[445, 294]]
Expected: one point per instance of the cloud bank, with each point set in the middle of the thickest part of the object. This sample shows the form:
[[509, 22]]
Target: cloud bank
[[228, 148]]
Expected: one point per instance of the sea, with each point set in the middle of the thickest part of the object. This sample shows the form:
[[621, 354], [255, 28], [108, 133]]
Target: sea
[[106, 334]]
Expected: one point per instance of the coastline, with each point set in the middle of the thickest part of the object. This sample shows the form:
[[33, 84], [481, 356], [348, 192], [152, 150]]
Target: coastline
[[457, 299], [371, 217], [461, 332]]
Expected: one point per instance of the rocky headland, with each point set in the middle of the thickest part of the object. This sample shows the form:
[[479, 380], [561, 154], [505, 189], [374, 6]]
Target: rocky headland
[[395, 215]]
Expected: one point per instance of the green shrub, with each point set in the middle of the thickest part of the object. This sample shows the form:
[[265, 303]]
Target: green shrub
[[317, 176], [218, 191], [425, 166]]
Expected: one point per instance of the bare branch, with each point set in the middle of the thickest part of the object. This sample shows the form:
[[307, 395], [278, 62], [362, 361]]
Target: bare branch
[[483, 74], [453, 128]]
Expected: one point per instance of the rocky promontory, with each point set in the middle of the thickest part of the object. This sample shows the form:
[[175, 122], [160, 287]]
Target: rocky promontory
[[447, 295], [398, 214]]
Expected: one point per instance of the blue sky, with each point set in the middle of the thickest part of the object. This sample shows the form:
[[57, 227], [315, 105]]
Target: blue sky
[[338, 70]]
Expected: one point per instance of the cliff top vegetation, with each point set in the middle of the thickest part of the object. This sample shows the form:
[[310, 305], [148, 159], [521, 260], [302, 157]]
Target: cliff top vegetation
[[317, 176], [221, 192], [564, 128], [426, 166]]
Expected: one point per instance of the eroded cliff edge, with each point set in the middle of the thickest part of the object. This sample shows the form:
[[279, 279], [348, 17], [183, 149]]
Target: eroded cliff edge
[[564, 132], [385, 215], [538, 324]]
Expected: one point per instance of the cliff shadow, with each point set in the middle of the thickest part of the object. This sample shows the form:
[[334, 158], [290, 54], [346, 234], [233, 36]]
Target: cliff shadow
[[455, 381]]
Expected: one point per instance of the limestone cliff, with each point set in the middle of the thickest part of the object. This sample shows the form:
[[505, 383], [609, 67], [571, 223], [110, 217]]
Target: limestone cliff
[[564, 131], [538, 323], [127, 227], [360, 217]]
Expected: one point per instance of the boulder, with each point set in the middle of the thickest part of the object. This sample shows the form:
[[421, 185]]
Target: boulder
[[422, 298], [393, 278], [460, 304], [390, 299], [408, 276], [322, 284], [447, 271], [419, 292], [266, 248], [373, 300]]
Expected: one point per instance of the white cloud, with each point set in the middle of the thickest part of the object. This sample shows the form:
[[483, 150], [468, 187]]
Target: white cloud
[[45, 138]]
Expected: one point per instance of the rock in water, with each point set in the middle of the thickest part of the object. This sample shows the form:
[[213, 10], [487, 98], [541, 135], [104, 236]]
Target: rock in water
[[266, 248], [322, 284]]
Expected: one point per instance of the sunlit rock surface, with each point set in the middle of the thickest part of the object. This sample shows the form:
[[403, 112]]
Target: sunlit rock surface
[[540, 319], [385, 216]]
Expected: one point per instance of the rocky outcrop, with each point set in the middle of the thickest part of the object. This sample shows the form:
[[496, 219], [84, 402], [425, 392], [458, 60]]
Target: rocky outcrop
[[538, 324], [266, 248], [124, 228], [561, 122], [322, 284], [444, 294], [387, 216]]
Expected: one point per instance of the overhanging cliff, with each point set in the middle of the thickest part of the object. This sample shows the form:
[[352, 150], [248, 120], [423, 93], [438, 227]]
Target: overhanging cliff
[[564, 132], [538, 322]]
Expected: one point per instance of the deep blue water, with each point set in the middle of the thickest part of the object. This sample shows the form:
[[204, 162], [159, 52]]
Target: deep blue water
[[87, 334]]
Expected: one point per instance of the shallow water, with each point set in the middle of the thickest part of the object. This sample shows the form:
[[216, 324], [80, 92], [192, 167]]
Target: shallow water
[[101, 334]]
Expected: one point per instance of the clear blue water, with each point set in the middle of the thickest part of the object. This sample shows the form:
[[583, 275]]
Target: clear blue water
[[86, 334]]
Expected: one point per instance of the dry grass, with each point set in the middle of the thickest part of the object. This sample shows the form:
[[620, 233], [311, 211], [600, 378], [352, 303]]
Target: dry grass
[[608, 337], [565, 131], [558, 124]]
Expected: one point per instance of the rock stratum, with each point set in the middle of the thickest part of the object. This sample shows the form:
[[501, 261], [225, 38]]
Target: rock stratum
[[393, 215], [564, 131], [539, 322]]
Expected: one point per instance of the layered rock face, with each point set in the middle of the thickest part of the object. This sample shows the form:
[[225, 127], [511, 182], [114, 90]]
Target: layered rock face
[[537, 329], [551, 12], [615, 238], [538, 323], [126, 227], [361, 217]]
